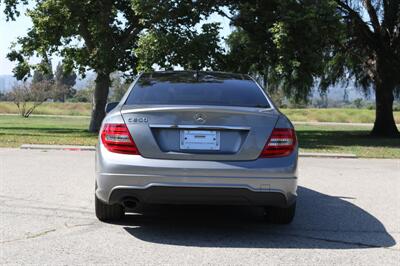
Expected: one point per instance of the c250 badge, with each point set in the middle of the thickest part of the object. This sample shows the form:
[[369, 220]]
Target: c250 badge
[[138, 120]]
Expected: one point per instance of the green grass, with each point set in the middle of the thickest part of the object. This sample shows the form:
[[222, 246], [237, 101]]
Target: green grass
[[346, 115], [346, 139], [49, 108], [307, 115], [15, 130]]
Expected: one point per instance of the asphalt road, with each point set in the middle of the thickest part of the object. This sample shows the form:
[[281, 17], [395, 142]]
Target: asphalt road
[[348, 213]]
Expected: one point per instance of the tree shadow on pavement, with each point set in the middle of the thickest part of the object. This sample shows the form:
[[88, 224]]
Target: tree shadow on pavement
[[321, 221]]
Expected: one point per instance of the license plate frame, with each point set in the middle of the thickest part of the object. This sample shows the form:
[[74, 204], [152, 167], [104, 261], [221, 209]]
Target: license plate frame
[[205, 140]]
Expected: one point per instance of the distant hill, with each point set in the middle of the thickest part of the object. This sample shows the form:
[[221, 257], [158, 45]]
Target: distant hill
[[337, 93]]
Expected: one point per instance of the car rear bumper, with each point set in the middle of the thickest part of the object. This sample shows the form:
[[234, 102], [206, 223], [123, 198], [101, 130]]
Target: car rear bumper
[[270, 182], [200, 195]]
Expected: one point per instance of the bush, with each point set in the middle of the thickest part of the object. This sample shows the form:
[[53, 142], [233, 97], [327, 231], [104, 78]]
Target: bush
[[371, 106], [358, 103], [83, 95], [29, 96]]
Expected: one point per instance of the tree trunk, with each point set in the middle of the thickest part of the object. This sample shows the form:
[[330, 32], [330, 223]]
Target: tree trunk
[[384, 125], [99, 101]]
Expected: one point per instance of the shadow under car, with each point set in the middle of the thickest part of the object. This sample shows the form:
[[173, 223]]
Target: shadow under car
[[321, 221]]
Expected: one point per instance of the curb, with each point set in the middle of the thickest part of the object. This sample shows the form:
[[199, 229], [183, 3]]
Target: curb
[[56, 147], [93, 148], [313, 123], [44, 115], [327, 155]]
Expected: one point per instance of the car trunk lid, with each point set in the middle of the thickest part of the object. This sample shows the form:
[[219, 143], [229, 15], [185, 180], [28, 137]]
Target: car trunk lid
[[199, 132]]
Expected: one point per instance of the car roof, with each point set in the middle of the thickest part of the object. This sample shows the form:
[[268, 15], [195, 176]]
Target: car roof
[[193, 74]]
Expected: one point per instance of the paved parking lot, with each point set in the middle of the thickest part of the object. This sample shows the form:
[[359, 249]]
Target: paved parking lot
[[348, 213]]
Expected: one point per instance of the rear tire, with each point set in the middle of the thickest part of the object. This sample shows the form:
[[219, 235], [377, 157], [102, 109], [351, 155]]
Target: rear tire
[[278, 215], [106, 212]]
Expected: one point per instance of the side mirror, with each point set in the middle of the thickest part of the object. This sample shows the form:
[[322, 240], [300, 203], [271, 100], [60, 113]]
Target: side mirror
[[110, 106]]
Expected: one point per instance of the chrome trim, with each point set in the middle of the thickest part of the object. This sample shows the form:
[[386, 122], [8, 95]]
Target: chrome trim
[[199, 185], [200, 176], [199, 127], [128, 91]]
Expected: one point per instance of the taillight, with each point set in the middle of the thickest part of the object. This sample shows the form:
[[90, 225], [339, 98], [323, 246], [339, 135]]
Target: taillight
[[116, 138], [281, 143]]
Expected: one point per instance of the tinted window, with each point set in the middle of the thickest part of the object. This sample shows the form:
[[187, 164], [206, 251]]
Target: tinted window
[[202, 88]]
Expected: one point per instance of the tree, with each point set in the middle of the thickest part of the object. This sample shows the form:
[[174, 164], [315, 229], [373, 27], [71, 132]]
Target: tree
[[282, 41], [86, 94], [64, 82], [98, 35], [358, 103], [29, 96], [246, 54], [300, 44], [10, 8], [174, 36], [188, 48], [119, 86], [3, 96], [43, 71], [372, 49]]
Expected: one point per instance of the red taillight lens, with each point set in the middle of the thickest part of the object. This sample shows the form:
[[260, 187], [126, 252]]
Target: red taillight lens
[[281, 143], [116, 138]]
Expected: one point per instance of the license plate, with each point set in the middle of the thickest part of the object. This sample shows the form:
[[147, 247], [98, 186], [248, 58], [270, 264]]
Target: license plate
[[199, 140]]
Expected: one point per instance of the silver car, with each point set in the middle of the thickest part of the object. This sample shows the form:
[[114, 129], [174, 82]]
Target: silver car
[[196, 137]]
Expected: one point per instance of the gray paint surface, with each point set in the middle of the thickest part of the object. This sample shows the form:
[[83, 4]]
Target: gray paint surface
[[348, 213], [176, 168], [256, 126]]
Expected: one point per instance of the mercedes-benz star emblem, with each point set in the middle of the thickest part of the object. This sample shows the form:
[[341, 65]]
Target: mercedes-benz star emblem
[[200, 118]]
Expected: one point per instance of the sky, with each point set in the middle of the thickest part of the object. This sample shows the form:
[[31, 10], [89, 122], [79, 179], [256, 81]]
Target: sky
[[11, 30]]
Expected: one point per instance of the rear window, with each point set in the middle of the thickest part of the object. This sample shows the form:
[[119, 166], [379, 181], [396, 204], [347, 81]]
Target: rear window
[[196, 88]]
